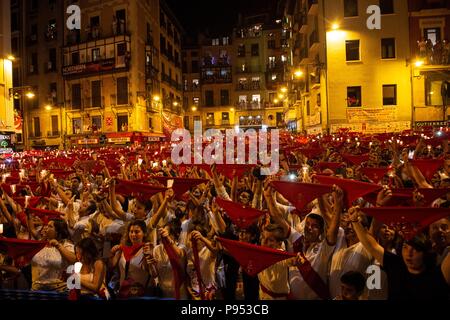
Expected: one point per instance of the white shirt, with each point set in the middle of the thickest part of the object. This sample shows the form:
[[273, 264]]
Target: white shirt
[[318, 255], [48, 266]]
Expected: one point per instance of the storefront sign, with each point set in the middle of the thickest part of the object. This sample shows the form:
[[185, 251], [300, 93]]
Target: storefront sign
[[87, 141], [97, 66], [119, 140], [373, 128], [434, 124]]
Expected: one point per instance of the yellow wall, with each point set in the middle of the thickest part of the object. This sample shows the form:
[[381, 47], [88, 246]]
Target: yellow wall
[[371, 72]]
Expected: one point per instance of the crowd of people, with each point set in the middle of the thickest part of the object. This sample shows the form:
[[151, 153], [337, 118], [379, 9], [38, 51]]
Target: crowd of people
[[347, 217]]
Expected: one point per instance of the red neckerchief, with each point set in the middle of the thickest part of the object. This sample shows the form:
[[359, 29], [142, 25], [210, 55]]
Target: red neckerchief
[[177, 268], [197, 268]]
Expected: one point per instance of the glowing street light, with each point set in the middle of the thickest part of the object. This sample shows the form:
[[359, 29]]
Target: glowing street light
[[48, 107], [175, 103], [156, 98], [276, 101], [419, 63], [281, 96], [30, 94], [284, 89], [194, 108], [335, 26], [11, 57], [298, 73]]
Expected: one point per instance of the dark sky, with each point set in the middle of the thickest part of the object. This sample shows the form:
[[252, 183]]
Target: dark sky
[[214, 15]]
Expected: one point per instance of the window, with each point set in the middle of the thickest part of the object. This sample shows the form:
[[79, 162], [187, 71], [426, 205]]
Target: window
[[95, 54], [272, 62], [434, 34], [194, 66], [37, 127], [225, 41], [352, 50], [51, 60], [350, 8], [15, 46], [186, 122], [95, 21], [434, 85], [76, 96], [215, 42], [122, 91], [197, 119], [162, 44], [53, 91], [271, 44], [224, 97], [14, 21], [75, 58], [209, 98], [121, 17], [210, 119], [354, 96], [150, 124], [241, 50], [225, 117], [76, 125], [34, 63], [390, 95], [388, 48], [308, 108], [96, 123], [387, 6], [195, 84], [255, 49], [54, 126], [122, 122], [96, 94]]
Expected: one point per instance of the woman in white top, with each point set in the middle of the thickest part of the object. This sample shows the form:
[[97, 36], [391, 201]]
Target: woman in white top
[[162, 262], [49, 265], [136, 276], [93, 270]]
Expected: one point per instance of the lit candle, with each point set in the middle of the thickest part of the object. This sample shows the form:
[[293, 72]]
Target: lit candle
[[77, 267], [1, 228], [13, 188], [429, 148], [155, 164], [27, 200], [140, 161], [169, 183], [164, 163]]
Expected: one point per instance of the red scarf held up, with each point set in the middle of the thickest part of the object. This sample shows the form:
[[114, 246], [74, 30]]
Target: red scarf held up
[[253, 259], [22, 251], [409, 220], [181, 185], [197, 269], [300, 194], [144, 189], [428, 167], [177, 268], [241, 216], [353, 189], [45, 215], [375, 174]]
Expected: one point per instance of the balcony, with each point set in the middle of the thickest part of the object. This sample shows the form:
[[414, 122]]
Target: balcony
[[50, 66], [314, 41], [53, 134], [225, 122], [248, 69], [304, 57], [122, 100], [216, 75], [94, 102], [255, 85], [32, 39], [50, 34], [245, 106], [165, 78], [313, 7]]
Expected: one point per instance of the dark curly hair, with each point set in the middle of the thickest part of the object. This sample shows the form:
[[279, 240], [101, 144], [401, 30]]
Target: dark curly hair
[[88, 249]]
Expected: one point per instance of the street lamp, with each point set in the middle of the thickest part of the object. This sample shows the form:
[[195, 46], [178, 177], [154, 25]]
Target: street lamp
[[30, 94], [48, 107], [298, 73], [11, 57], [194, 108]]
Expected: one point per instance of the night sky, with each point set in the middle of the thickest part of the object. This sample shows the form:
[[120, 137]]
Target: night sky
[[217, 16]]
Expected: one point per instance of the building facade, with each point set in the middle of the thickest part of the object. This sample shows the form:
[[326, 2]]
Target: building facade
[[430, 52], [114, 81], [232, 79], [7, 129], [353, 77]]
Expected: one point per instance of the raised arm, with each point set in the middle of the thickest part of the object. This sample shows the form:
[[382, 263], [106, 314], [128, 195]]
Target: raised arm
[[332, 230], [95, 284], [368, 241], [161, 210]]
